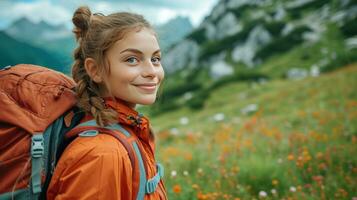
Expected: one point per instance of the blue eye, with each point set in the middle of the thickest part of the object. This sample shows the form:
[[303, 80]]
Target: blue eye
[[156, 60], [132, 60]]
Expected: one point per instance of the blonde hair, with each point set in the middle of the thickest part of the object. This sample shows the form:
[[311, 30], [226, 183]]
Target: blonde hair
[[95, 34]]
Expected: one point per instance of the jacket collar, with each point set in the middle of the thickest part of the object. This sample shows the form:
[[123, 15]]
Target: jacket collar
[[129, 116]]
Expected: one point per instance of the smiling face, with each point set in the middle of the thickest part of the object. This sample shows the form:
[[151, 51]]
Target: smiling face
[[135, 68]]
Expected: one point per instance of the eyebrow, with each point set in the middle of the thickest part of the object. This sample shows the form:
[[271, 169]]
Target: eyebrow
[[138, 51]]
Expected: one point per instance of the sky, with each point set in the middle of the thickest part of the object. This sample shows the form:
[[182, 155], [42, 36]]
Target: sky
[[60, 11]]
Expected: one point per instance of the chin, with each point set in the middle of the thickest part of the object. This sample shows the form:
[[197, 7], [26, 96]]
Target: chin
[[147, 101]]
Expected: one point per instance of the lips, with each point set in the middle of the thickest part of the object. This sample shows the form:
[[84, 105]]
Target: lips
[[149, 87]]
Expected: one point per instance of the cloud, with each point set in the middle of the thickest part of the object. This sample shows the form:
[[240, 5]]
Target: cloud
[[61, 11], [35, 11], [178, 4]]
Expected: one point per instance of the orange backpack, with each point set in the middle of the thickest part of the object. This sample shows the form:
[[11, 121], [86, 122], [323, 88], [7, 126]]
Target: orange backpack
[[37, 116]]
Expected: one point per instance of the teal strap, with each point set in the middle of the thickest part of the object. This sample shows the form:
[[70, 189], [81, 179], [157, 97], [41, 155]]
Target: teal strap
[[52, 137], [120, 128], [111, 127], [88, 123], [152, 183], [37, 151], [141, 192], [89, 133], [145, 187], [17, 194]]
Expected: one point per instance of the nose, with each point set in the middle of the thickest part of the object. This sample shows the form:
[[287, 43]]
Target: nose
[[149, 70]]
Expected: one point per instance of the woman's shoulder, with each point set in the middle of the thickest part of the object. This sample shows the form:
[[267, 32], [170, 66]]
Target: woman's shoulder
[[93, 166], [101, 145]]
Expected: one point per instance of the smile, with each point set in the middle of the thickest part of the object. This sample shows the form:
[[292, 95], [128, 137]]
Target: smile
[[147, 87]]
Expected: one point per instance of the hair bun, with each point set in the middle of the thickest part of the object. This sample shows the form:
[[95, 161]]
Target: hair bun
[[81, 21]]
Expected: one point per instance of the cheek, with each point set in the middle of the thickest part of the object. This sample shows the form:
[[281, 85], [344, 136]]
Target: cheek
[[161, 74], [124, 75], [117, 81]]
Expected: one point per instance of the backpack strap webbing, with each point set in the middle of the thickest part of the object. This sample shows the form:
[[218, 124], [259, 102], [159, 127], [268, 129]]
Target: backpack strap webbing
[[145, 186], [37, 152], [90, 129]]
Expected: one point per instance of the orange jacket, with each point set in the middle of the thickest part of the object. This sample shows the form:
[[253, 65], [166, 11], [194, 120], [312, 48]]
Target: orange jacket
[[99, 167]]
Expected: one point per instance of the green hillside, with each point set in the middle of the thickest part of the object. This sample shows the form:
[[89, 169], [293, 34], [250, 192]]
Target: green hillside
[[276, 40], [296, 142], [329, 53], [14, 52], [55, 39]]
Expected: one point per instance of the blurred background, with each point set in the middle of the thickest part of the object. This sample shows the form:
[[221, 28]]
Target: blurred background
[[260, 96]]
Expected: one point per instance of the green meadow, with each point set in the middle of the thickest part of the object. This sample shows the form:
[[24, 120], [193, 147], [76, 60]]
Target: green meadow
[[281, 139]]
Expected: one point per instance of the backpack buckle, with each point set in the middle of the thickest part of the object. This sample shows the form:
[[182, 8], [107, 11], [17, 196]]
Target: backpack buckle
[[7, 67], [37, 147], [89, 133], [152, 183]]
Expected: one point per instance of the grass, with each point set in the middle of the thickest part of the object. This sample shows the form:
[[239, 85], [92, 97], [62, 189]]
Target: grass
[[297, 145], [307, 54]]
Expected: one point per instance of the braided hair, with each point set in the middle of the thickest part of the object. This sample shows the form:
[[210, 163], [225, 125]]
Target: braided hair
[[95, 34]]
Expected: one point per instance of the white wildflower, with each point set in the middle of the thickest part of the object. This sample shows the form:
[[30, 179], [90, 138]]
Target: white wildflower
[[185, 173], [218, 117], [173, 173], [262, 194], [184, 120]]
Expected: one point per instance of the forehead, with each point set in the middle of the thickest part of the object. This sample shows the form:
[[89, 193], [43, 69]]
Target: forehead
[[143, 39]]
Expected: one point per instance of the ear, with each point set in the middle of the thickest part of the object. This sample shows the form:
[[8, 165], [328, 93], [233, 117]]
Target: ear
[[92, 70]]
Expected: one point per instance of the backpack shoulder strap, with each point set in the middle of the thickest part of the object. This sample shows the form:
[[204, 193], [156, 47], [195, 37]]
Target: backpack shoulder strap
[[90, 128]]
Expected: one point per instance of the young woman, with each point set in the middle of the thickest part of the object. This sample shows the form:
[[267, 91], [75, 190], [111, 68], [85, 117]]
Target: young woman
[[117, 65]]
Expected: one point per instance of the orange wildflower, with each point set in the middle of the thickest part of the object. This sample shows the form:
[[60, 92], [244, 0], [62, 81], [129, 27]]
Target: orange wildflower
[[176, 189], [290, 157], [201, 196]]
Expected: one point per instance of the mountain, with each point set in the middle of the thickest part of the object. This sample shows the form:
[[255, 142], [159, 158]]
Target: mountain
[[33, 30], [59, 40], [56, 39], [256, 41], [173, 31], [249, 32], [14, 52]]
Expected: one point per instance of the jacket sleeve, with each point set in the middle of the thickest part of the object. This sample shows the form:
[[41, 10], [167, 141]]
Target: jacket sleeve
[[92, 172]]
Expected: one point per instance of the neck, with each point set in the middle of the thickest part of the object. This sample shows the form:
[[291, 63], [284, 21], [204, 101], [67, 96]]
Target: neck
[[130, 105]]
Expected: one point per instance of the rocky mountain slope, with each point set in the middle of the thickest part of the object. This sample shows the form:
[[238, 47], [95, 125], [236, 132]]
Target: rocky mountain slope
[[259, 40], [248, 32]]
